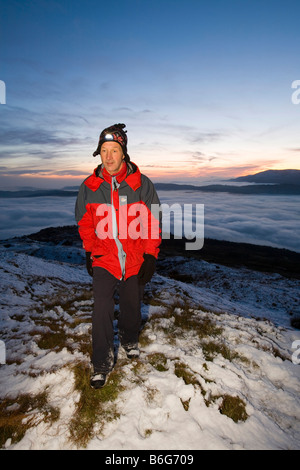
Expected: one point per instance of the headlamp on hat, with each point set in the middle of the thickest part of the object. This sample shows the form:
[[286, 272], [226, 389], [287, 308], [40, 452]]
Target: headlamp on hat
[[108, 137]]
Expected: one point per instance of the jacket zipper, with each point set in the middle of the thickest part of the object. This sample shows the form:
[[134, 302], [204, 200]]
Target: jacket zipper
[[121, 252]]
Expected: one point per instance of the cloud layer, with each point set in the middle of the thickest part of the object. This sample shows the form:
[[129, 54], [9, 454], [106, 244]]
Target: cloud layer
[[262, 220]]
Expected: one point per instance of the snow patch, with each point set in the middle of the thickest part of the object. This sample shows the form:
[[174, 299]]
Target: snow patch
[[172, 404]]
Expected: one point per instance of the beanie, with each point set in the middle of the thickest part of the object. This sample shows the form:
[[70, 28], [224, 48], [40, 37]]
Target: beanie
[[114, 133]]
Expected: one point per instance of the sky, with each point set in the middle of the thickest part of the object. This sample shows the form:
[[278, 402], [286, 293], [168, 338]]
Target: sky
[[204, 87]]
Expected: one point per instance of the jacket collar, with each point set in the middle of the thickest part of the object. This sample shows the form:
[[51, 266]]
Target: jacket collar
[[133, 177], [118, 176]]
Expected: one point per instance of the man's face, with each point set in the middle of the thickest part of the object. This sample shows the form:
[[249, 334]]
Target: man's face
[[112, 157]]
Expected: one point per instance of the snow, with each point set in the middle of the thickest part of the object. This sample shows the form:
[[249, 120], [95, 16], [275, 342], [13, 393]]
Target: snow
[[254, 310]]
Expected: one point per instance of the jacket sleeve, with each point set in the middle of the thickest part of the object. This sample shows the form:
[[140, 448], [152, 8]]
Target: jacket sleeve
[[84, 219], [151, 200]]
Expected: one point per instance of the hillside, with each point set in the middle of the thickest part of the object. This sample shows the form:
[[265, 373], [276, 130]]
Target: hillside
[[272, 177], [258, 257], [216, 371], [272, 182], [275, 190]]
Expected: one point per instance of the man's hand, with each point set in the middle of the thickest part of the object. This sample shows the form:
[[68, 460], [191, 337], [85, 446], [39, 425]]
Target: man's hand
[[89, 262], [147, 269]]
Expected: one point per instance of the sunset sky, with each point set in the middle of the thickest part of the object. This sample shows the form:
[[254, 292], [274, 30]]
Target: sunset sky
[[204, 87]]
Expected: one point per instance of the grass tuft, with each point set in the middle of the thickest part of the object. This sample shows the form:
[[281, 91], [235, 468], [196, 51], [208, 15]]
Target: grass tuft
[[20, 414], [95, 407], [234, 408], [158, 361]]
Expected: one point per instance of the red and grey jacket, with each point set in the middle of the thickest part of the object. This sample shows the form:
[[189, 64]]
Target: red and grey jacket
[[118, 219]]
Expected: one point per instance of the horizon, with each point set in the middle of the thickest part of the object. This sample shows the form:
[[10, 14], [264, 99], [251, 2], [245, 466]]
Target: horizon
[[65, 184], [207, 90]]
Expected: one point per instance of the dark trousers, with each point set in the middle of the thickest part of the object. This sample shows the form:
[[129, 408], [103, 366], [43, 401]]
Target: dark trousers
[[129, 319]]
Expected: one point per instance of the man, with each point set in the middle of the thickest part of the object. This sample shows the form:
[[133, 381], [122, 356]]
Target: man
[[117, 214]]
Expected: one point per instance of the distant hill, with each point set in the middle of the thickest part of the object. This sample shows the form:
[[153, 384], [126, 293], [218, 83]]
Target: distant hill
[[270, 189], [38, 193], [272, 182], [272, 176], [267, 189]]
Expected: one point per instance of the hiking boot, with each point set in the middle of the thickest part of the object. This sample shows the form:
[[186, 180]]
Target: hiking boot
[[97, 380], [132, 352]]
